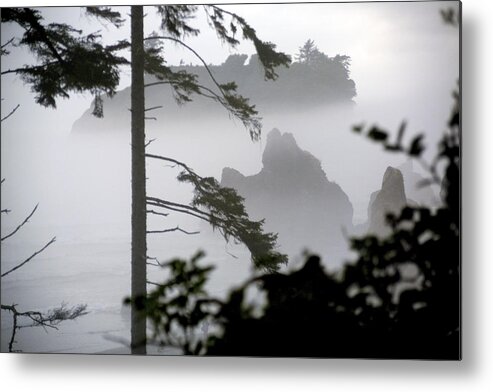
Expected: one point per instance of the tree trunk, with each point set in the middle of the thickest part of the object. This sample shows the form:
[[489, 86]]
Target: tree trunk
[[139, 247]]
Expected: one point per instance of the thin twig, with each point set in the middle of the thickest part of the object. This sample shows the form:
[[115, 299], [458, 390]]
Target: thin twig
[[149, 142], [29, 258], [157, 213], [152, 108], [177, 228], [170, 160], [8, 42], [11, 113], [22, 224]]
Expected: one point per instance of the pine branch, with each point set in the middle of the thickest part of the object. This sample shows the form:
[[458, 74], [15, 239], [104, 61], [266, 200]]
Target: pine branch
[[106, 13], [165, 203], [185, 84], [26, 69], [29, 19], [162, 204], [176, 40]]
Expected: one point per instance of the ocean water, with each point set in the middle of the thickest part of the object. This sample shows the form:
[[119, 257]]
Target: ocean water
[[84, 266]]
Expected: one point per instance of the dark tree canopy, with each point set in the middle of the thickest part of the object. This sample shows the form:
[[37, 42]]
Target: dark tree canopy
[[67, 60]]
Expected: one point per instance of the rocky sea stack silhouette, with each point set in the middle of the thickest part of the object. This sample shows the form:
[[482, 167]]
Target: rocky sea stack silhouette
[[296, 199], [391, 198]]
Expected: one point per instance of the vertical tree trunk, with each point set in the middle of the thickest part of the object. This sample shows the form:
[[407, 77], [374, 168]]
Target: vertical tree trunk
[[139, 247]]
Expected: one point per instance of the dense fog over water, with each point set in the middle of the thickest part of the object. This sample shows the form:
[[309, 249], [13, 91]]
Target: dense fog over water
[[404, 67]]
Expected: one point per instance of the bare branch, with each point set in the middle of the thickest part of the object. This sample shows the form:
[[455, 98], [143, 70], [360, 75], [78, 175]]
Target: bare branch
[[29, 258], [153, 108], [8, 42], [149, 142], [11, 113], [157, 262], [153, 156], [157, 213], [48, 320], [177, 228], [5, 211], [157, 83], [22, 224]]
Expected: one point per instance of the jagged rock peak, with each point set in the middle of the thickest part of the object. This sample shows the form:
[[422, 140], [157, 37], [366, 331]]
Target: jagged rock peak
[[393, 182], [292, 193], [390, 199], [282, 154], [231, 176]]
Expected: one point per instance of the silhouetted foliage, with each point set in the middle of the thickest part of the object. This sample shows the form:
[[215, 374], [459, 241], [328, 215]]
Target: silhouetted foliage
[[67, 60], [179, 307], [400, 298], [223, 208]]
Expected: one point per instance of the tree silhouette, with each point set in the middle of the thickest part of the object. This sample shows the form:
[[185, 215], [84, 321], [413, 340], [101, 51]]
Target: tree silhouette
[[71, 62], [400, 297], [308, 53]]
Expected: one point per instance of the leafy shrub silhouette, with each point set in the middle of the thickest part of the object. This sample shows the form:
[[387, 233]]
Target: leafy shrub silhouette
[[400, 298]]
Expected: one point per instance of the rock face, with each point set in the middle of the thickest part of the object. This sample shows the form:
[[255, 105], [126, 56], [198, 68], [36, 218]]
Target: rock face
[[390, 199], [422, 195], [296, 199]]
